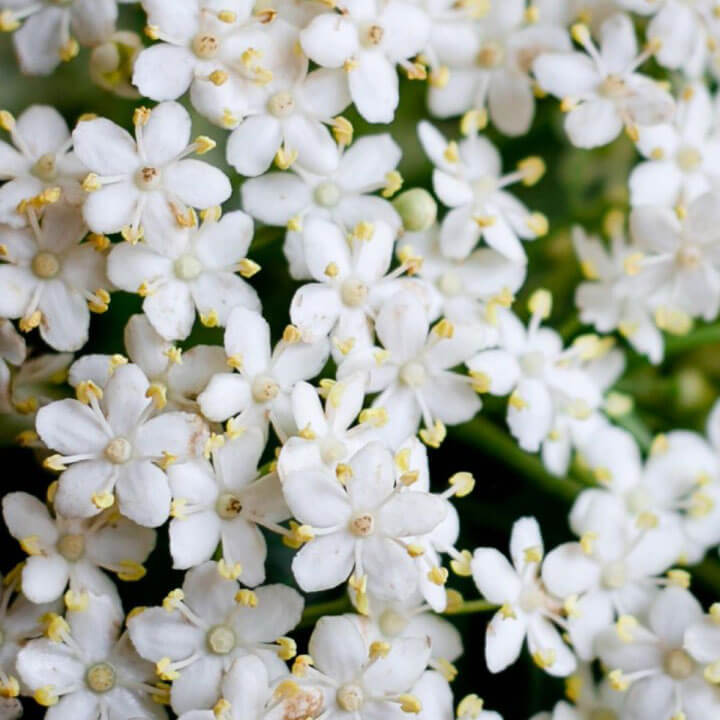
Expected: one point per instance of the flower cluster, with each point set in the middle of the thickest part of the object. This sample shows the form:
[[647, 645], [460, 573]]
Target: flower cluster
[[315, 429]]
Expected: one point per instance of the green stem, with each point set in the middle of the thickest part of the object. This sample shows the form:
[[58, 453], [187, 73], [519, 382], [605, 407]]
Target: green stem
[[636, 427], [675, 344], [472, 606], [485, 435], [318, 610]]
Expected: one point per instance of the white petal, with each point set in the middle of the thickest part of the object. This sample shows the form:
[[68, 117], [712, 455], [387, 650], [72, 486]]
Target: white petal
[[44, 578], [494, 576], [143, 493], [593, 123], [503, 642], [324, 562], [316, 498], [193, 539], [197, 183], [163, 71], [105, 147], [69, 427], [374, 87], [329, 40], [338, 648], [171, 310], [251, 147], [43, 130], [226, 394]]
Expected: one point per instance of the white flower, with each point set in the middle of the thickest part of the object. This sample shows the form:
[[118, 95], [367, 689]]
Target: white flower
[[608, 299], [189, 269], [84, 672], [368, 39], [224, 503], [677, 262], [181, 376], [70, 551], [364, 527], [145, 186], [681, 157], [655, 665], [609, 572], [287, 124], [489, 64], [601, 90], [222, 52], [291, 198], [411, 370], [50, 279], [20, 620], [544, 381], [45, 36], [467, 290], [40, 161], [526, 608], [360, 680], [13, 352], [683, 30], [113, 445], [467, 178], [246, 695], [351, 277], [259, 392], [387, 621], [203, 628], [326, 436], [24, 389]]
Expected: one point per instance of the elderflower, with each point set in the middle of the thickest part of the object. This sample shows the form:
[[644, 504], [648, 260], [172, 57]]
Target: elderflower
[[203, 628], [145, 186], [109, 442]]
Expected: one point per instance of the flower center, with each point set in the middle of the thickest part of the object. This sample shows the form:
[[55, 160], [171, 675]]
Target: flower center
[[533, 363], [327, 194], [45, 167], [281, 104], [118, 450], [688, 159], [71, 547], [531, 599], [450, 283], [45, 265], [362, 525], [148, 178], [614, 575], [228, 506], [264, 389], [392, 623], [688, 256], [100, 677], [353, 292], [491, 55], [187, 267], [638, 500], [483, 187], [413, 374], [332, 450], [678, 664], [206, 45], [372, 36], [350, 697], [221, 639], [613, 87]]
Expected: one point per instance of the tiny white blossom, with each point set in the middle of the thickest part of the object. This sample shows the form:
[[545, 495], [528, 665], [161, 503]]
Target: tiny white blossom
[[111, 443], [65, 551], [203, 628], [527, 610], [601, 90], [50, 278], [146, 185], [188, 270], [83, 671], [40, 161]]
